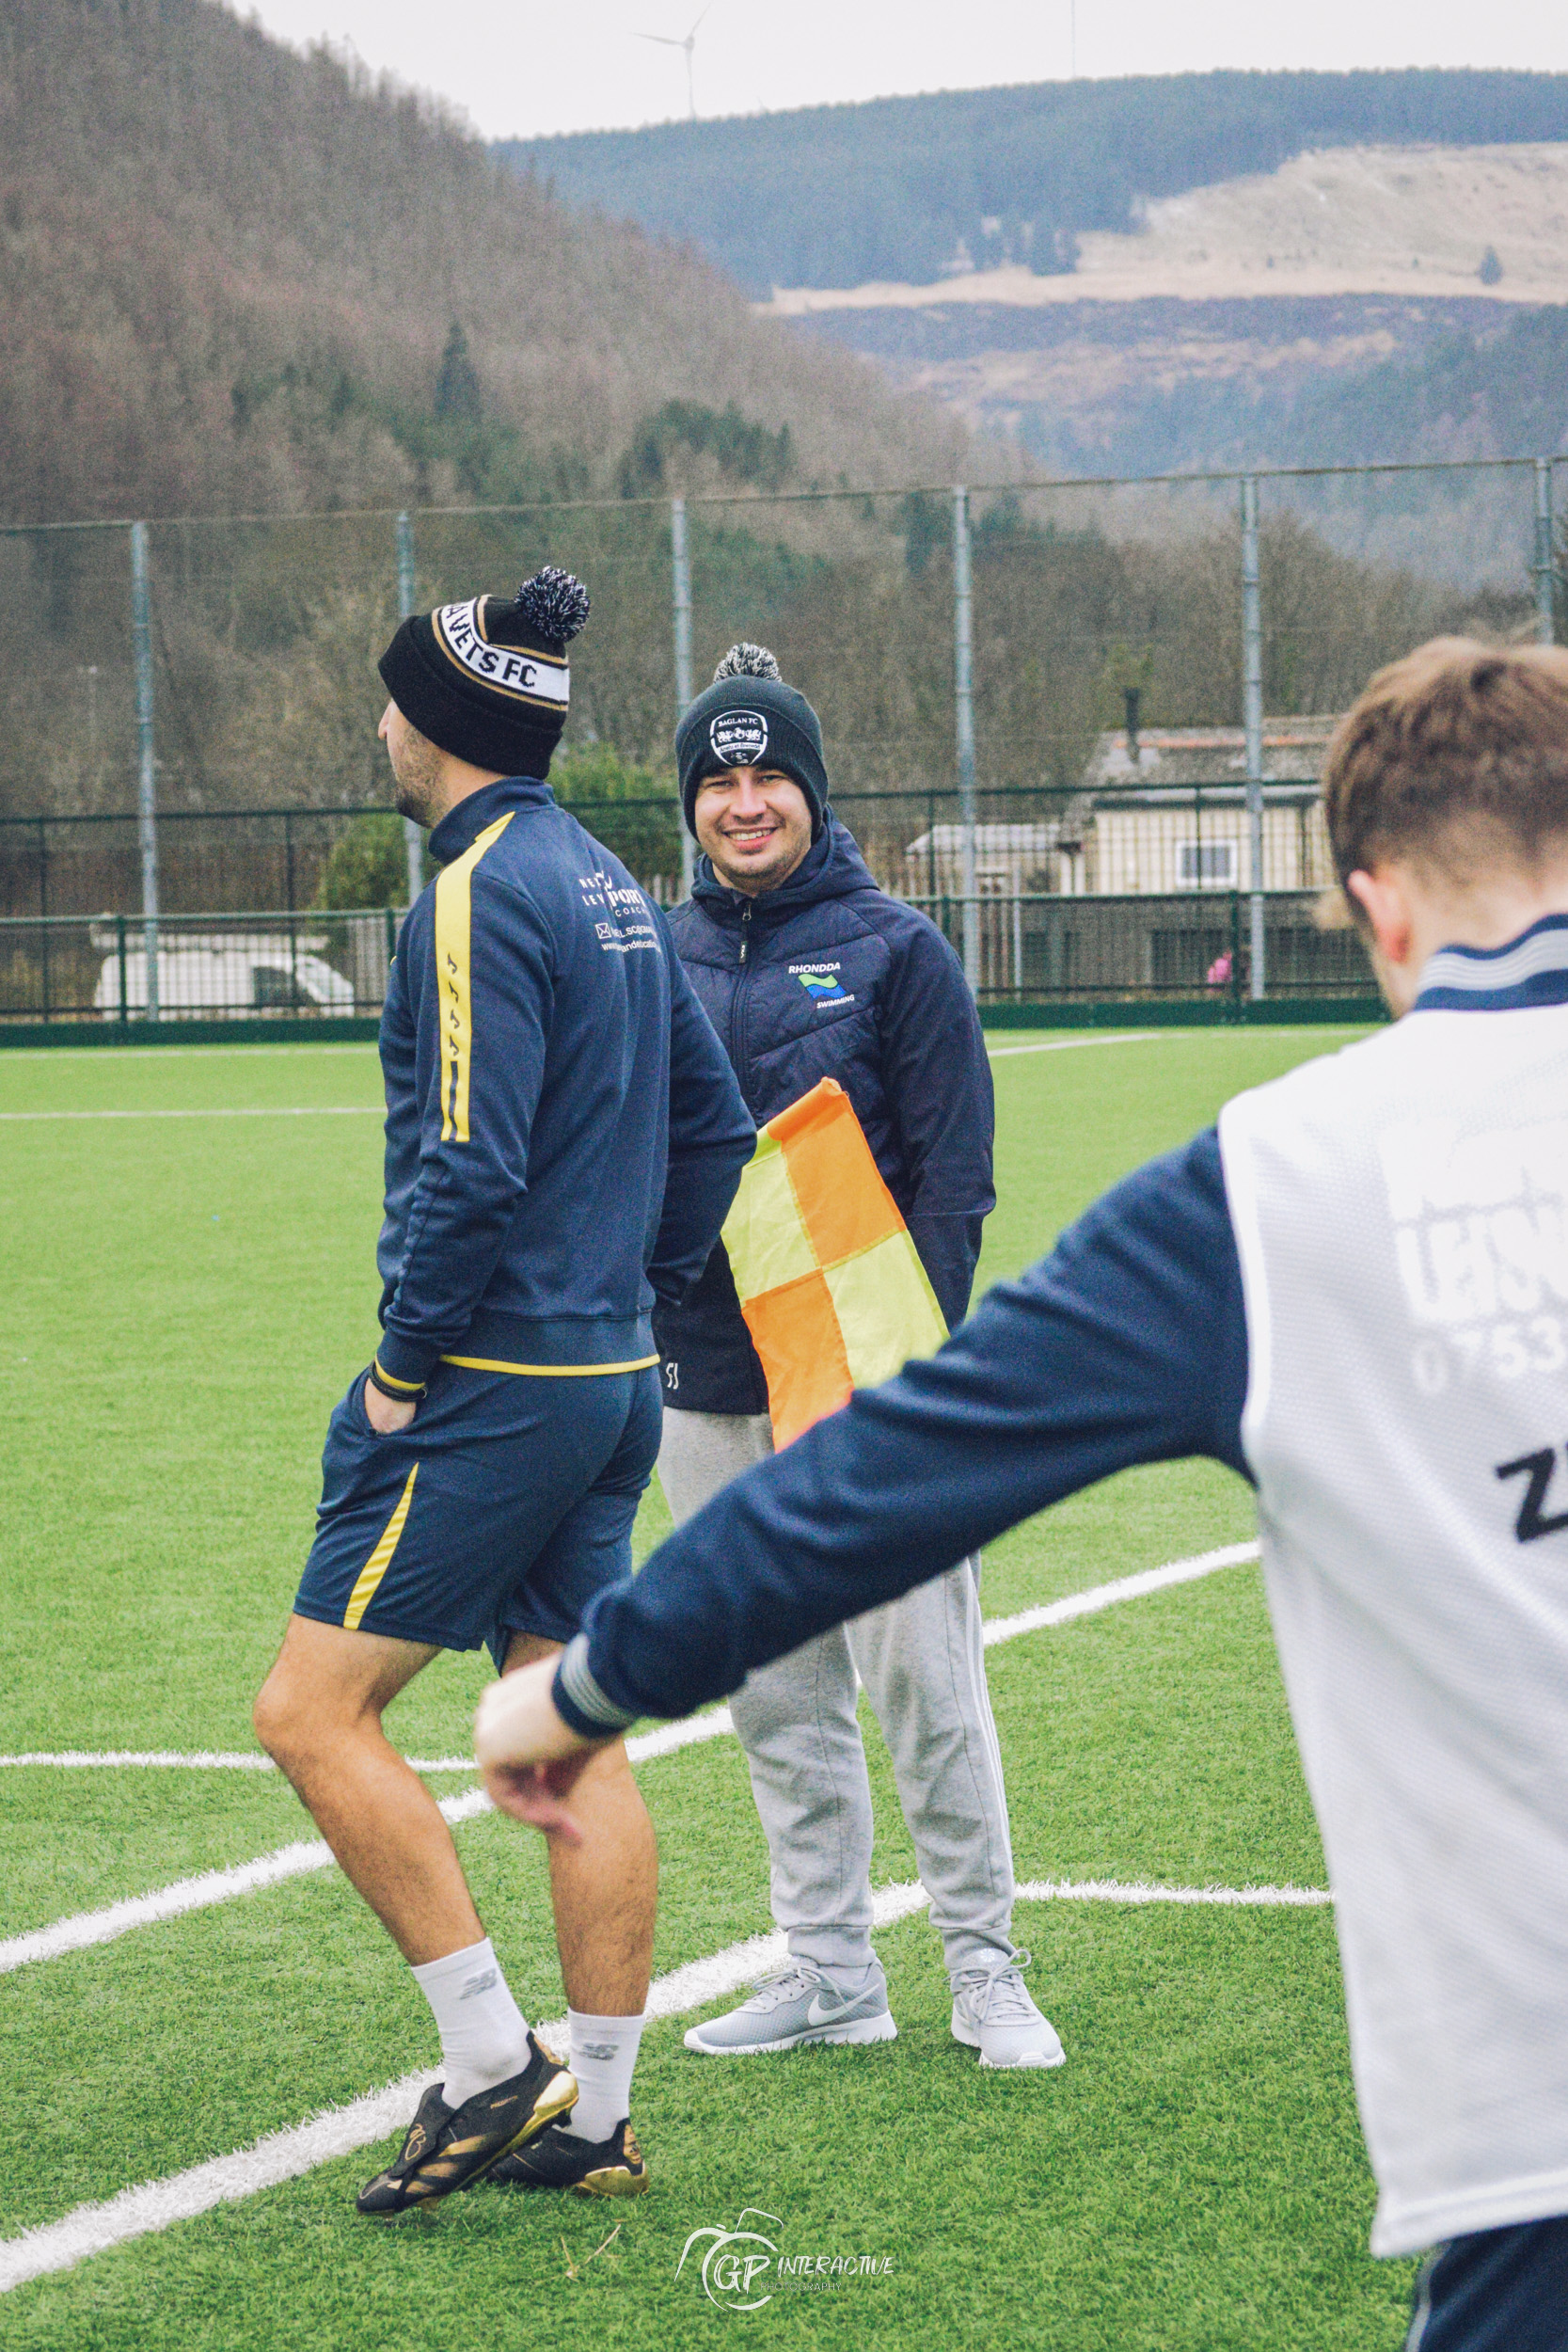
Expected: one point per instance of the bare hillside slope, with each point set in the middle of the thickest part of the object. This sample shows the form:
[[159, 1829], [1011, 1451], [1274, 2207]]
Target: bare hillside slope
[[1376, 220], [1358, 303]]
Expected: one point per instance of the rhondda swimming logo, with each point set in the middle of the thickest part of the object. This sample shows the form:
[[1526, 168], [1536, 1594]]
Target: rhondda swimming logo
[[741, 2269]]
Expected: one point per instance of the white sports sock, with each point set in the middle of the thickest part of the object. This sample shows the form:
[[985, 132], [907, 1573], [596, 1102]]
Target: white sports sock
[[604, 2052], [484, 2033]]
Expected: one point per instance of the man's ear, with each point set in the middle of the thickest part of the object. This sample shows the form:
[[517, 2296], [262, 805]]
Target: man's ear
[[1385, 902]]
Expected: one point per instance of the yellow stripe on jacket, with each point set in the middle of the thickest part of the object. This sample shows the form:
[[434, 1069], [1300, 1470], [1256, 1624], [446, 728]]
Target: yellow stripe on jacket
[[453, 982]]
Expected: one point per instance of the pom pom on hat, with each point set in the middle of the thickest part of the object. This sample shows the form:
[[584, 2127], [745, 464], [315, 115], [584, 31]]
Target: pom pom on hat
[[747, 660], [554, 603]]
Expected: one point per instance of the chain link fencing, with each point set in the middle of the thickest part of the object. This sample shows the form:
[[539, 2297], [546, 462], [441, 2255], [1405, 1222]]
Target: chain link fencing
[[1055, 715]]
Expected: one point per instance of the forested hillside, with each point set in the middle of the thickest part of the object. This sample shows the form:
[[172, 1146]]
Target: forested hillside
[[908, 188], [233, 277], [1156, 386]]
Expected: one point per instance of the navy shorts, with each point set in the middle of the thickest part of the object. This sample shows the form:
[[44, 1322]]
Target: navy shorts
[[505, 1505], [1496, 2291]]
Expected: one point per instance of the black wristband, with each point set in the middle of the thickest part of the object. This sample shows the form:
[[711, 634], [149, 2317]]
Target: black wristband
[[400, 1392]]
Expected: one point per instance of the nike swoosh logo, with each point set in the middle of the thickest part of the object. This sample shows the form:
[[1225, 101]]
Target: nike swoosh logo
[[817, 2015]]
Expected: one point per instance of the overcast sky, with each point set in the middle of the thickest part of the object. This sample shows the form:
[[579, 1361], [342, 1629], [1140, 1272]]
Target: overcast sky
[[533, 66]]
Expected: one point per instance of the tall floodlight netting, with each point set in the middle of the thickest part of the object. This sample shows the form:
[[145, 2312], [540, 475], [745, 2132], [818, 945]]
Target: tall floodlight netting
[[1356, 567], [1084, 726], [265, 635], [1110, 766], [68, 748]]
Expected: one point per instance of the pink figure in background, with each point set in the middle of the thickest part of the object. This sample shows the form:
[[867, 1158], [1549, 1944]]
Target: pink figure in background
[[1219, 971]]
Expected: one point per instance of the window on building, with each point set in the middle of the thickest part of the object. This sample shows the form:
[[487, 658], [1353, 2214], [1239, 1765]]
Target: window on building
[[1206, 865]]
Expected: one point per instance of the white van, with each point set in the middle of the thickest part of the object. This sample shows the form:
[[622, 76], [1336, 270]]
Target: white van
[[220, 975]]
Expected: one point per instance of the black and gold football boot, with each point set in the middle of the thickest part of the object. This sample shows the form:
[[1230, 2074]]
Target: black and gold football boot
[[590, 2167], [450, 2148]]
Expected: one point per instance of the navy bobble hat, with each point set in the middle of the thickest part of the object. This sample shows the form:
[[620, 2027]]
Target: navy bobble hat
[[487, 679], [749, 718]]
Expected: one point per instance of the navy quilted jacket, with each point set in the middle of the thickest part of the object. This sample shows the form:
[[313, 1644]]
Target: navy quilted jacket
[[829, 978]]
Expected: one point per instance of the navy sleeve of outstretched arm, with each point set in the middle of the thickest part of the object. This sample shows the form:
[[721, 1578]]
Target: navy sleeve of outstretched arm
[[475, 1125], [711, 1138], [938, 1081], [1127, 1345]]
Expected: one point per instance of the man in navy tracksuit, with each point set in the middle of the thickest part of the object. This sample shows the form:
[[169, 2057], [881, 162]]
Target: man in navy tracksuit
[[564, 1139], [807, 971]]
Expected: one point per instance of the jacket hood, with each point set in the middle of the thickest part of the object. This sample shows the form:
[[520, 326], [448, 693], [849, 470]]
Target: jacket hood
[[832, 868]]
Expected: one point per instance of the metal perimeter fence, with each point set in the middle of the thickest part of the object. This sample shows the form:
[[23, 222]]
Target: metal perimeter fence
[[1039, 949], [1083, 723]]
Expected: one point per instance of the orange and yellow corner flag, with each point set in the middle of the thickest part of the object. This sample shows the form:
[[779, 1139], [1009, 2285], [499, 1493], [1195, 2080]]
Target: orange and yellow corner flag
[[831, 1285]]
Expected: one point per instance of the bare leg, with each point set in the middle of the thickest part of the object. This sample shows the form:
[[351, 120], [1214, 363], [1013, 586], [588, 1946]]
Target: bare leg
[[319, 1716], [604, 1891]]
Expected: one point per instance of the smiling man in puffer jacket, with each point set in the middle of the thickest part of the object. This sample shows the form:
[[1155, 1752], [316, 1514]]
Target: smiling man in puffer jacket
[[808, 971]]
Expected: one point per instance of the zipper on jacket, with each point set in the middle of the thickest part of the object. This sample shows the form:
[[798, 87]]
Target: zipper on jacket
[[737, 1036]]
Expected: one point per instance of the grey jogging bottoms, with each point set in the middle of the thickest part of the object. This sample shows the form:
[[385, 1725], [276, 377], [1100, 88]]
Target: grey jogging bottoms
[[923, 1664]]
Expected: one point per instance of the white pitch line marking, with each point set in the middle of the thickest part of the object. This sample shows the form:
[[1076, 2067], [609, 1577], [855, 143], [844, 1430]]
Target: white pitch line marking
[[197, 1759], [716, 1724], [1067, 1044], [261, 1110], [112, 1056], [1145, 1036], [1141, 1891], [85, 1928], [712, 1725], [1099, 1596], [284, 2155]]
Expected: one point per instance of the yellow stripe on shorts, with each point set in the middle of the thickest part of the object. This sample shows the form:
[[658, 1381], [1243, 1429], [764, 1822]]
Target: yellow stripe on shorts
[[380, 1559]]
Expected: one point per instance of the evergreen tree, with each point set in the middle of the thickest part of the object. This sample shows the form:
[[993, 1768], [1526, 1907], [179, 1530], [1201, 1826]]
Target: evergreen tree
[[457, 393]]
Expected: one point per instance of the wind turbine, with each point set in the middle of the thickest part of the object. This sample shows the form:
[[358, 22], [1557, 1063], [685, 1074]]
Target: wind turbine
[[667, 41]]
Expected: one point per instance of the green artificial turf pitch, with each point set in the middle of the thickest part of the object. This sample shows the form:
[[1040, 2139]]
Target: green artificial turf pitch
[[188, 1295]]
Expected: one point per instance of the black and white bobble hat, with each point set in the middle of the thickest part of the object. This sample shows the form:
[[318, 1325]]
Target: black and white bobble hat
[[488, 680], [749, 718]]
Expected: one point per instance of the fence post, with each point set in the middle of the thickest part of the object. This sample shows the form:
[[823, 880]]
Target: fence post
[[44, 905], [413, 848], [120, 953], [1545, 554], [963, 713], [147, 808], [1252, 720], [680, 573]]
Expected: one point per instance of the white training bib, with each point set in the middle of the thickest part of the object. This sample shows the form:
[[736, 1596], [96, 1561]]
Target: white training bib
[[1400, 1209]]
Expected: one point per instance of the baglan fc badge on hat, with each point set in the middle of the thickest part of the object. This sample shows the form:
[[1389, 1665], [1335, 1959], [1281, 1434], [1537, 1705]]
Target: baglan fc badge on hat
[[739, 737]]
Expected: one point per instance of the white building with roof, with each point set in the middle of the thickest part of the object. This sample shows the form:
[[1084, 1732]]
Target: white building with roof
[[1163, 809]]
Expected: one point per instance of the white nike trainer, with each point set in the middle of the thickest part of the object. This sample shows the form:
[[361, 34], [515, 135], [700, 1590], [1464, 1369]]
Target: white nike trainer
[[993, 2013], [797, 2005]]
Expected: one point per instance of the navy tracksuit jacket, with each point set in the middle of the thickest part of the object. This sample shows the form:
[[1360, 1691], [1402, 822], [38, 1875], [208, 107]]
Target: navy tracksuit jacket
[[829, 978], [564, 1134]]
